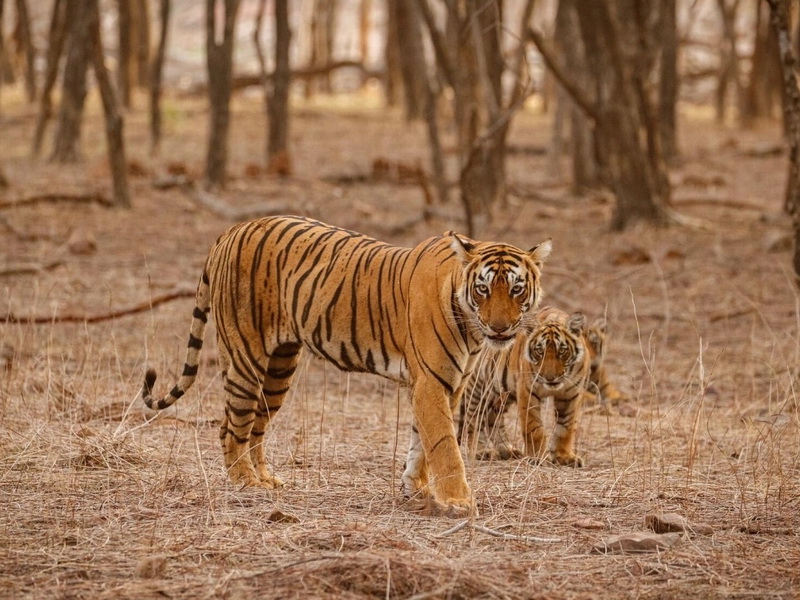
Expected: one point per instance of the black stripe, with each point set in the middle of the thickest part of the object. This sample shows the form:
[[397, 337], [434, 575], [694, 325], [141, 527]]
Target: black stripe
[[199, 313], [195, 342], [189, 370], [176, 392]]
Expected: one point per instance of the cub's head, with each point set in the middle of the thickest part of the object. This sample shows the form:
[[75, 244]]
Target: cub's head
[[556, 350], [500, 287], [596, 339]]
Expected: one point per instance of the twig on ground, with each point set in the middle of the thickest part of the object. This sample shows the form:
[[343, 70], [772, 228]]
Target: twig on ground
[[24, 268], [181, 291], [91, 198], [493, 532]]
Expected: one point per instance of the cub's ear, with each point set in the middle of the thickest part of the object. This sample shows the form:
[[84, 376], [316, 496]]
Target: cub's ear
[[599, 323], [576, 323], [463, 247], [540, 253]]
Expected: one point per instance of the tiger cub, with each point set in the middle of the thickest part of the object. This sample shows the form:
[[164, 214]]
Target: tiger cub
[[606, 392], [419, 316], [553, 361]]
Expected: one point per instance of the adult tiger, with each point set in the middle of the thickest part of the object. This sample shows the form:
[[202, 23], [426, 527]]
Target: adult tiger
[[553, 361], [415, 315]]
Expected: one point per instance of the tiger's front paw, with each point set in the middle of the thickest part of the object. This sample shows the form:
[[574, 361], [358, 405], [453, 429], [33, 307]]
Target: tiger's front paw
[[451, 509], [568, 460]]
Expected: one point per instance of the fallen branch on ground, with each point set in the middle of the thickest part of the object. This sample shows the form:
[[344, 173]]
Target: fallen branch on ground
[[92, 198], [718, 202], [24, 268], [181, 291], [494, 533]]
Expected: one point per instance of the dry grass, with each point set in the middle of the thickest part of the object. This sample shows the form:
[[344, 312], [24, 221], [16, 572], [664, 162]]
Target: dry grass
[[100, 503]]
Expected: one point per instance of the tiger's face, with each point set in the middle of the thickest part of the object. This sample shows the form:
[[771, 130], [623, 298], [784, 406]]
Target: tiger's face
[[500, 288], [556, 350], [595, 338]]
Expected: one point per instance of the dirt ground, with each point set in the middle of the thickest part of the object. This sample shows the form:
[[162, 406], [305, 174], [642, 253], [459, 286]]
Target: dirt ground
[[101, 501]]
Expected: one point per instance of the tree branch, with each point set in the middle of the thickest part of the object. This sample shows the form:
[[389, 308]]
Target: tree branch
[[179, 292], [576, 92]]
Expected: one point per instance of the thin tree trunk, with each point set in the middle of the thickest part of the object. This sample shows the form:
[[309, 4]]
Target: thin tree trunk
[[55, 49], [114, 123], [668, 82], [26, 41], [142, 46], [780, 11], [393, 83], [67, 140], [156, 76], [219, 59], [124, 69], [278, 161]]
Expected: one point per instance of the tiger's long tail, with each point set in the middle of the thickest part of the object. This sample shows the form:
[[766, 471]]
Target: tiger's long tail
[[199, 320]]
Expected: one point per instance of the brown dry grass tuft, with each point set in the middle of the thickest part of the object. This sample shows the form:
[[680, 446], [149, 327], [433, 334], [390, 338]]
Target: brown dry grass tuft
[[99, 502]]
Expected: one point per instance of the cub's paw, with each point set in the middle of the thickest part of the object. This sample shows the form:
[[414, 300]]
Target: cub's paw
[[452, 509], [506, 451], [568, 460]]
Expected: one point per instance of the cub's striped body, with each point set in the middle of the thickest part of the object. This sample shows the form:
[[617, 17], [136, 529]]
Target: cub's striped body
[[419, 316], [553, 361]]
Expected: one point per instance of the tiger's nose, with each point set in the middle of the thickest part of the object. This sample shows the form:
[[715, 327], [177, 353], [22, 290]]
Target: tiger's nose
[[498, 328]]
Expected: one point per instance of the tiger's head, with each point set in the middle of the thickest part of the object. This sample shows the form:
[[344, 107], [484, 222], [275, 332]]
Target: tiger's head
[[556, 350], [596, 339], [500, 287]]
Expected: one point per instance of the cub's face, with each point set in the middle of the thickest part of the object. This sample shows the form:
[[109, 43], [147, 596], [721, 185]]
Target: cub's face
[[556, 349], [500, 287]]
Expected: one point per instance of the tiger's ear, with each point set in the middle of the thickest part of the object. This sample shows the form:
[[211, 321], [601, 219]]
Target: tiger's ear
[[576, 323], [463, 247], [599, 323], [540, 253]]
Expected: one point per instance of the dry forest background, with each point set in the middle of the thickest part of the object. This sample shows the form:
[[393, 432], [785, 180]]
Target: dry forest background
[[101, 499]]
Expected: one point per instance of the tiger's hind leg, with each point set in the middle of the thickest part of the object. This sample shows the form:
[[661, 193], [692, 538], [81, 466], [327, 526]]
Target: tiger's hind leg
[[280, 371], [242, 396]]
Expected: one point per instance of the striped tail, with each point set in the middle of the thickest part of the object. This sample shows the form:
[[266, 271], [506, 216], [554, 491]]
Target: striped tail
[[199, 320]]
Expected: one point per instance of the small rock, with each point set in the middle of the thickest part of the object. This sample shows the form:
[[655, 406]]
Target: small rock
[[666, 523], [588, 524], [675, 523], [277, 516], [643, 541], [82, 242], [777, 241]]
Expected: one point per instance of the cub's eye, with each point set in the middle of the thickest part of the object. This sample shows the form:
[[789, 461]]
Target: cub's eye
[[517, 290], [482, 289]]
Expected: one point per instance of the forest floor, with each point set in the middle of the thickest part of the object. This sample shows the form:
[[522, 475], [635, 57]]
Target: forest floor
[[100, 500]]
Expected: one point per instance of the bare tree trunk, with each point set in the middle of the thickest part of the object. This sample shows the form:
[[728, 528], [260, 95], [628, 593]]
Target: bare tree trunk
[[3, 61], [729, 57], [278, 161], [114, 123], [585, 169], [630, 164], [323, 21], [393, 83], [765, 87], [23, 35], [410, 52], [668, 81], [219, 59], [142, 43], [67, 140], [124, 68], [156, 76], [55, 49], [780, 11]]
